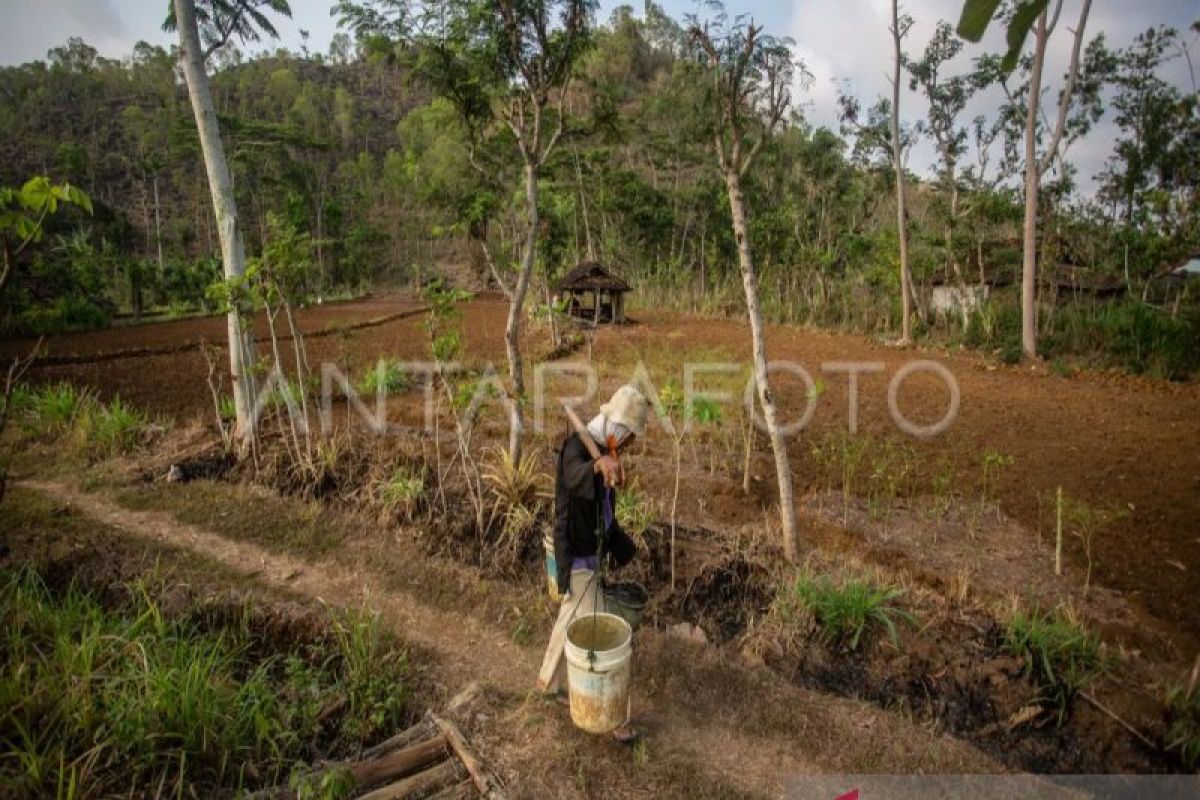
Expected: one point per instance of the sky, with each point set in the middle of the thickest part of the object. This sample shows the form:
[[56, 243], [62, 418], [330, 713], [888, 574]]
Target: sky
[[842, 42]]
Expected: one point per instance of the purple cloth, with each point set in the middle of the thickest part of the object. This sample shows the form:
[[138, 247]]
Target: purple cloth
[[592, 563]]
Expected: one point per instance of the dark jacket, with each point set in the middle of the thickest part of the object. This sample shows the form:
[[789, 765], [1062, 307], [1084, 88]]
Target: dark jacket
[[579, 514]]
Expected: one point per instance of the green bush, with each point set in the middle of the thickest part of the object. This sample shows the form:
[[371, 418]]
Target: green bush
[[388, 377], [101, 702], [847, 609], [635, 511], [1058, 653], [53, 410], [64, 315], [401, 491]]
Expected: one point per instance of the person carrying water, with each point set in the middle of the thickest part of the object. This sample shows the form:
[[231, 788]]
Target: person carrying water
[[585, 526]]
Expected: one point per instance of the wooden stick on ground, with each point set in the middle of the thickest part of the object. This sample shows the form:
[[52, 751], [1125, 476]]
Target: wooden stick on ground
[[417, 733], [1109, 712], [462, 791], [485, 781], [420, 785], [365, 774], [402, 762]]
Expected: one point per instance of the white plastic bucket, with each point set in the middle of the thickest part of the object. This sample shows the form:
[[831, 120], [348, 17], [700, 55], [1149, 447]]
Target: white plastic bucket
[[598, 650]]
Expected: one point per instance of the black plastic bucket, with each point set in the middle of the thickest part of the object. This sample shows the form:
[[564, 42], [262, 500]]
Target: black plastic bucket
[[627, 601]]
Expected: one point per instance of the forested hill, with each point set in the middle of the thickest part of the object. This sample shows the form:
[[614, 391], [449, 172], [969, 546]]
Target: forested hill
[[350, 150]]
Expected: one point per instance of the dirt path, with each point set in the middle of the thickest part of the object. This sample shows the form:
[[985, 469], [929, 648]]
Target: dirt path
[[688, 719]]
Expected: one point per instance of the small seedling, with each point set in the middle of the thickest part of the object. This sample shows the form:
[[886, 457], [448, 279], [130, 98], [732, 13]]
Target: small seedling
[[1085, 521]]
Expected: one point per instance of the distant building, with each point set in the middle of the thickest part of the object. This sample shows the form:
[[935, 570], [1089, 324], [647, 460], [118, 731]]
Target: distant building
[[1190, 268], [594, 293]]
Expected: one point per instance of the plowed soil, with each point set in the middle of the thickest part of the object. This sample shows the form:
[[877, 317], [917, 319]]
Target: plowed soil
[[1106, 438]]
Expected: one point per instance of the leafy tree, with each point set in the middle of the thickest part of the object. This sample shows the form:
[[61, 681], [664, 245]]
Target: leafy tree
[[947, 97], [1033, 14], [1150, 180], [497, 63]]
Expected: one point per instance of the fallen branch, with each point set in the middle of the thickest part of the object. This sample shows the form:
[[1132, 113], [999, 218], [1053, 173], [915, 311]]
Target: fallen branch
[[488, 784], [1113, 715]]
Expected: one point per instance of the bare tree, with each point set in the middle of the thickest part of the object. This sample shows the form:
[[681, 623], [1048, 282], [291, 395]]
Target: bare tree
[[900, 28], [223, 20], [752, 76]]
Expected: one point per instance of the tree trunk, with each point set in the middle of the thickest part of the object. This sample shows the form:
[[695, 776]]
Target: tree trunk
[[220, 183], [901, 209], [783, 469], [1032, 185], [512, 333], [158, 229]]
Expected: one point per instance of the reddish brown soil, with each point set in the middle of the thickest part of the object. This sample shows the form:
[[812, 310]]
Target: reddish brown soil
[[184, 332], [1109, 439]]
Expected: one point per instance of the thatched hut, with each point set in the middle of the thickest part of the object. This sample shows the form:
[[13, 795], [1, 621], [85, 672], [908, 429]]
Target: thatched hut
[[594, 293]]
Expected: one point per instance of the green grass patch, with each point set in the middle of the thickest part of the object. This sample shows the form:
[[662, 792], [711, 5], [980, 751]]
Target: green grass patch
[[103, 700], [95, 429], [1059, 654], [387, 378], [846, 610], [244, 514]]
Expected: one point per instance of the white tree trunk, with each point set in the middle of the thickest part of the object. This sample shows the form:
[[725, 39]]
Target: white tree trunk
[[512, 333], [783, 469], [1032, 185], [220, 183], [901, 208]]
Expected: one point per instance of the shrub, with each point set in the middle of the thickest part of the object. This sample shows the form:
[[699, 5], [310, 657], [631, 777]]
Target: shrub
[[388, 378], [847, 609], [635, 511], [65, 315], [517, 488], [1058, 653], [515, 484], [108, 430], [52, 410], [401, 491]]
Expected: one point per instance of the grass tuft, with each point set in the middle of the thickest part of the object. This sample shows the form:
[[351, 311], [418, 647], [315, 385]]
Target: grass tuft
[[846, 610], [1060, 654]]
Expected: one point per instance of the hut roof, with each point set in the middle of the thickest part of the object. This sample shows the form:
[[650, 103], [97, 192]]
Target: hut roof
[[590, 277]]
